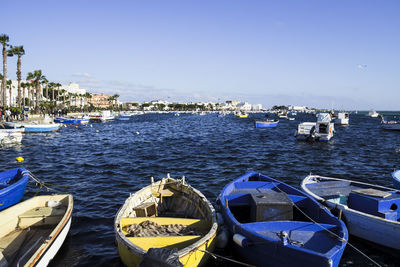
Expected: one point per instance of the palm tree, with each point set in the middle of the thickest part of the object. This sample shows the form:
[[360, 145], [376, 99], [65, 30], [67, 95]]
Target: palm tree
[[9, 87], [23, 86], [4, 39], [46, 82], [37, 77], [18, 51]]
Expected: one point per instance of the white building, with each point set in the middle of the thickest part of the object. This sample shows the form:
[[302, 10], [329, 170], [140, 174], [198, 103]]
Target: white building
[[298, 108], [73, 88], [257, 107], [244, 106]]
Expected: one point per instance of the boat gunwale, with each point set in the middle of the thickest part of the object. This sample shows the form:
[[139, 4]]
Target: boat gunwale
[[307, 181], [121, 238], [42, 250], [237, 224]]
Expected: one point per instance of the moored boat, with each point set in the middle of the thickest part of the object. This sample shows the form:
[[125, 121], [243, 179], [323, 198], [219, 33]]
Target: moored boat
[[11, 136], [103, 117], [83, 120], [32, 232], [266, 123], [33, 127], [369, 211], [393, 125], [322, 130], [373, 114], [12, 186], [167, 217], [274, 224], [342, 118]]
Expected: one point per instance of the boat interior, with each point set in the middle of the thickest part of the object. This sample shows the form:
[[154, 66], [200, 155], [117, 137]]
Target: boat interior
[[165, 205], [384, 203], [27, 226], [274, 211]]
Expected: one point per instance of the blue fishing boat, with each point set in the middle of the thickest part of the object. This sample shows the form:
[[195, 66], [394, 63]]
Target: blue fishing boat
[[12, 186], [33, 127], [371, 212], [396, 179], [274, 224], [72, 120], [267, 123]]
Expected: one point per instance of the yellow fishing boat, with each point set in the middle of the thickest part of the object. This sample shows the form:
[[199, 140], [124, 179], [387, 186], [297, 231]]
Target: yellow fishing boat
[[166, 218], [241, 114]]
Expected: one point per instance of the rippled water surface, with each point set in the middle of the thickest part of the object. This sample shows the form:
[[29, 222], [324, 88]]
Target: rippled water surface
[[106, 162]]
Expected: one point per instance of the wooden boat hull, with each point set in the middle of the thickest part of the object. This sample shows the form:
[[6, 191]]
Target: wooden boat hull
[[11, 193], [371, 227], [262, 124], [132, 250], [273, 234], [71, 121], [46, 225], [34, 127]]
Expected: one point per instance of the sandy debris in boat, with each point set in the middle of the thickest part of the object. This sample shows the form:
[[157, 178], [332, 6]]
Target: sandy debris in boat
[[149, 228]]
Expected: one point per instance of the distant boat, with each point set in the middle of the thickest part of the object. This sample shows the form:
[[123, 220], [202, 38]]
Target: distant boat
[[184, 218], [12, 187], [322, 130], [373, 114], [371, 212], [33, 127], [103, 117], [342, 118], [393, 125], [11, 136], [266, 123], [274, 224], [33, 231], [83, 120], [241, 114]]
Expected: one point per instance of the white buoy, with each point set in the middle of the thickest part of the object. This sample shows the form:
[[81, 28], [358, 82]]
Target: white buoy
[[91, 126], [240, 240], [97, 131], [137, 133]]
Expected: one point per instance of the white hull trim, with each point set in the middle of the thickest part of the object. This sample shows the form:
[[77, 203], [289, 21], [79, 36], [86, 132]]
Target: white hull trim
[[55, 247]]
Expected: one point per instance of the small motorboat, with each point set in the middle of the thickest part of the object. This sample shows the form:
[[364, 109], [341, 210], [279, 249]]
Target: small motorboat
[[393, 125], [12, 186], [266, 123], [11, 136], [342, 118], [33, 127], [31, 232], [241, 114], [322, 130], [274, 224], [373, 114], [166, 219], [396, 179], [371, 212]]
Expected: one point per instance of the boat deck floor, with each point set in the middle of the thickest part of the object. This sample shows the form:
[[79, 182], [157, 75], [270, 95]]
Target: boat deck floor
[[14, 245]]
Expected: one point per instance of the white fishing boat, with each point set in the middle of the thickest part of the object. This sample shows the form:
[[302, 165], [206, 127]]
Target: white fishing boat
[[373, 114], [32, 232], [33, 127], [342, 118], [104, 116], [11, 136], [322, 130], [369, 211]]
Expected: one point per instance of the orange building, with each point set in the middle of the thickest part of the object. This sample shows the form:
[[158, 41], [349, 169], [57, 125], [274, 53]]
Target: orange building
[[100, 100]]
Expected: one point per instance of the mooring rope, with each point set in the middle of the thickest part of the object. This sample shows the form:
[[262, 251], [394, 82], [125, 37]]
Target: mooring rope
[[225, 258], [42, 184], [332, 233]]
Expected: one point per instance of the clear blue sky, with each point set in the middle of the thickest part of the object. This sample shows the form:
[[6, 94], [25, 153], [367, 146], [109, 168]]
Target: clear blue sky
[[340, 54]]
